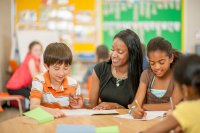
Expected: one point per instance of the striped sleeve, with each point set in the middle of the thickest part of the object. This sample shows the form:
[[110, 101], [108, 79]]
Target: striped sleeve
[[37, 89], [71, 81]]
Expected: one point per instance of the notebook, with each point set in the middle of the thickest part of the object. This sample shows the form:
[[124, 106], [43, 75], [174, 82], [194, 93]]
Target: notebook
[[40, 115], [68, 128], [110, 129]]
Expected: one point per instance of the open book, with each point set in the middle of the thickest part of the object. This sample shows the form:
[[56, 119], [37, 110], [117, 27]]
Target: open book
[[150, 115], [77, 112]]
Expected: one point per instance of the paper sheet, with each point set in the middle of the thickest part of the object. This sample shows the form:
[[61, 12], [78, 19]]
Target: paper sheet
[[150, 115], [78, 112]]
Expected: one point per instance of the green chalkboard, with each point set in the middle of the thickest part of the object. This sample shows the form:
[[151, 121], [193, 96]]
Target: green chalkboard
[[148, 19]]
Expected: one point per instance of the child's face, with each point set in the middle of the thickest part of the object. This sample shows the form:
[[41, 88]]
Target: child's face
[[119, 54], [58, 72], [36, 50], [159, 62]]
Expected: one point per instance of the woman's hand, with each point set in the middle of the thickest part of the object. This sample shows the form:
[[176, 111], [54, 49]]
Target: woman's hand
[[76, 101], [108, 106]]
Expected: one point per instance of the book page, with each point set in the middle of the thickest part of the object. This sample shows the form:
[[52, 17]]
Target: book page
[[150, 115]]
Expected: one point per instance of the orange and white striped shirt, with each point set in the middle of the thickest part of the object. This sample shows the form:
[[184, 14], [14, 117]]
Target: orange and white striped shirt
[[50, 97]]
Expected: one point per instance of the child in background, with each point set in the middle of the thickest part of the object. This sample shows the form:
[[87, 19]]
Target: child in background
[[20, 82], [145, 61], [102, 54], [54, 89], [186, 115], [156, 84]]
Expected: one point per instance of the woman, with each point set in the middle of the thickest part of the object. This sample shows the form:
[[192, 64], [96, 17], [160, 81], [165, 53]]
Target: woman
[[115, 82]]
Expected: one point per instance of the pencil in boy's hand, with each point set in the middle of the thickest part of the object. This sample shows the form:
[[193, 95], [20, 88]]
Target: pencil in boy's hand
[[78, 91]]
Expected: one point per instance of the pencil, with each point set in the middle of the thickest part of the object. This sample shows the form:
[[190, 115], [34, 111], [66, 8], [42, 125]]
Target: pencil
[[78, 91], [171, 103], [138, 105]]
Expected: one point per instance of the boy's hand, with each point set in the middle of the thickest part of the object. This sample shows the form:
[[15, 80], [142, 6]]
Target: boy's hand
[[76, 101], [57, 113], [138, 113]]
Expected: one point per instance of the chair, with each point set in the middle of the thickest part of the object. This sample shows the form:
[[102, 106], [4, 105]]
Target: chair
[[13, 65], [4, 96], [1, 109]]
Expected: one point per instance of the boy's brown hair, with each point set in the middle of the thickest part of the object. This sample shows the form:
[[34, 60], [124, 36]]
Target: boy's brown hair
[[102, 52], [57, 53]]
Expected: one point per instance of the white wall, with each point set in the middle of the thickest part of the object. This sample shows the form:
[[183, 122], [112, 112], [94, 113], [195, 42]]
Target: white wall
[[1, 81], [5, 40], [192, 24]]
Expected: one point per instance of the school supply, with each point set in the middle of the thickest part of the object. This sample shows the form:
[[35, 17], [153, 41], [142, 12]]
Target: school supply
[[78, 112], [171, 104], [40, 115], [69, 128], [150, 115], [109, 129]]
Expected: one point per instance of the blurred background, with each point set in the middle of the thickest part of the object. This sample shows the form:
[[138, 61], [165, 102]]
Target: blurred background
[[85, 24]]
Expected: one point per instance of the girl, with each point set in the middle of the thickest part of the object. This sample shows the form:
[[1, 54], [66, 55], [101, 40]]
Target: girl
[[186, 115], [19, 83], [156, 84], [115, 82]]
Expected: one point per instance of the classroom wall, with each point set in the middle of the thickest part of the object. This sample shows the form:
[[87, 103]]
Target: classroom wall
[[5, 40], [192, 24], [191, 17], [0, 56]]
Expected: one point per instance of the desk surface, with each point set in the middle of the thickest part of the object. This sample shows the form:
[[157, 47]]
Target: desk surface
[[28, 125]]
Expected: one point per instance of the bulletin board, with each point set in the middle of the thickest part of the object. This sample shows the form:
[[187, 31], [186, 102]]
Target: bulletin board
[[73, 20], [147, 18]]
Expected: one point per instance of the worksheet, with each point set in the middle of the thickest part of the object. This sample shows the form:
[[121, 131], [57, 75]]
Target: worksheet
[[150, 115]]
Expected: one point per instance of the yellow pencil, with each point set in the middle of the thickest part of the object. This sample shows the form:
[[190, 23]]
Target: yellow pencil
[[138, 105], [171, 103]]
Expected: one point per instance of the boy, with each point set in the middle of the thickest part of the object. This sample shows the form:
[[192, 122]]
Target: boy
[[102, 54], [53, 89]]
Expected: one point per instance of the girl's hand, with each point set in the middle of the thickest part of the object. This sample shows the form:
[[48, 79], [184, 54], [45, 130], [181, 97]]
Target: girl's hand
[[76, 101], [178, 130], [138, 113], [169, 112]]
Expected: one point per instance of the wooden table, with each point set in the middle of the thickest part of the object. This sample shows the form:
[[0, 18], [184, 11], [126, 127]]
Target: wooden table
[[24, 124]]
